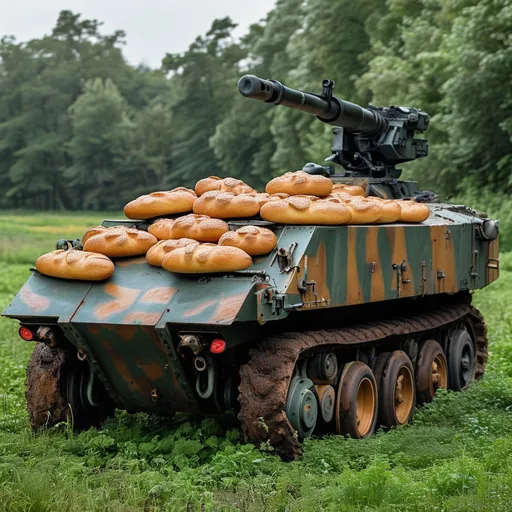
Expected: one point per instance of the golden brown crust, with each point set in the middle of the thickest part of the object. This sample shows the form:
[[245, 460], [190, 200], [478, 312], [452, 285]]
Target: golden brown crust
[[96, 230], [307, 210], [263, 197], [364, 210], [351, 190], [411, 211], [390, 210], [156, 254], [198, 227], [254, 240], [166, 202], [161, 229], [75, 264], [225, 205], [223, 185], [119, 242], [206, 258], [300, 183]]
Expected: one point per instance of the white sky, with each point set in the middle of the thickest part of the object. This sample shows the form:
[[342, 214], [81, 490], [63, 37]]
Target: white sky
[[153, 27]]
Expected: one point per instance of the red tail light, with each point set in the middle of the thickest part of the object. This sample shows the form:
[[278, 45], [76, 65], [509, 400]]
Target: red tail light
[[217, 346], [26, 333]]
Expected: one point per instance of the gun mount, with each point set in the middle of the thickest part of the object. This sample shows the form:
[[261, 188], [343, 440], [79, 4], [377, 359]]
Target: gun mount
[[366, 141]]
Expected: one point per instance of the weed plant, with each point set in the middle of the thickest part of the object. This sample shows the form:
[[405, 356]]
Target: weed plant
[[456, 456]]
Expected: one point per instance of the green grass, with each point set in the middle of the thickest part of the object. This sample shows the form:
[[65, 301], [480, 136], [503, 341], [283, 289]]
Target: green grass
[[457, 455]]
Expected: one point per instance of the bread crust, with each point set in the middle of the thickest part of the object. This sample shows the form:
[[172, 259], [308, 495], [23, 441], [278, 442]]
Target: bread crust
[[223, 185], [364, 210], [254, 240], [206, 258], [263, 197], [225, 205], [118, 242], [166, 202], [351, 190], [156, 254], [412, 211], [390, 210], [197, 227], [300, 183], [307, 210], [75, 264]]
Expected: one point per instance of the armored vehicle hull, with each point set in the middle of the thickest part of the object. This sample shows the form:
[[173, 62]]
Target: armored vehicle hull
[[278, 342]]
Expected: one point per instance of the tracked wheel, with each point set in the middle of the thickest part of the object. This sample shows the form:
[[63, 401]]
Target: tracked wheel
[[356, 401], [461, 359], [431, 371], [397, 390]]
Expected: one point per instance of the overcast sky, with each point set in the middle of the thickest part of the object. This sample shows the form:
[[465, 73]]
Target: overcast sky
[[153, 27]]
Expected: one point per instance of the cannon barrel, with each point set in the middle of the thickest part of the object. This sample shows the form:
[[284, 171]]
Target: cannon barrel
[[330, 110]]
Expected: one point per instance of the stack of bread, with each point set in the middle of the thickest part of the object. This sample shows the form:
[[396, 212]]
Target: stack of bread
[[199, 240]]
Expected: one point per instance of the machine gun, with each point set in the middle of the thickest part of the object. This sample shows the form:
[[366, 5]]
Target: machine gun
[[367, 142]]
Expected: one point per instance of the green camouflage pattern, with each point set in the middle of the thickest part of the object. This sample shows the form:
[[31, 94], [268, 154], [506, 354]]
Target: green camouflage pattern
[[129, 325]]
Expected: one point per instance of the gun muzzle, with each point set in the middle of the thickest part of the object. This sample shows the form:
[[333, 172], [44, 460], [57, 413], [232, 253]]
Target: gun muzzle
[[334, 111]]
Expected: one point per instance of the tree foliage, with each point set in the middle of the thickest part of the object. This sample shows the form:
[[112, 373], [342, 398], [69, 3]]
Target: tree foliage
[[82, 129]]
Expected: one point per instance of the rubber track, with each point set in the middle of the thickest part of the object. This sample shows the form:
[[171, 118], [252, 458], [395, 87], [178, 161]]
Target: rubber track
[[265, 378]]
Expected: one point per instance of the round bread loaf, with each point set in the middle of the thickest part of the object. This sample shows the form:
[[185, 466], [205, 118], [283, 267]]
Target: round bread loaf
[[156, 254], [75, 264], [206, 258], [411, 211], [254, 240], [225, 205], [364, 210], [307, 210], [390, 210], [120, 242], [300, 183], [223, 185], [178, 200], [351, 190]]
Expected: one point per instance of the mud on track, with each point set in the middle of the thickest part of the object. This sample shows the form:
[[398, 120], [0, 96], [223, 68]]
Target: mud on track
[[265, 378]]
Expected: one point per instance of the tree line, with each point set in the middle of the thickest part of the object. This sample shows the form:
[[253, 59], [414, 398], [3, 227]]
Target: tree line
[[81, 129]]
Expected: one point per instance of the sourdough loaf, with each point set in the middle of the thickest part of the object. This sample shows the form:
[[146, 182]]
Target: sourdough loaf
[[254, 240], [206, 258], [225, 205], [307, 210], [178, 200], [75, 264], [222, 185], [120, 242], [300, 183], [156, 254]]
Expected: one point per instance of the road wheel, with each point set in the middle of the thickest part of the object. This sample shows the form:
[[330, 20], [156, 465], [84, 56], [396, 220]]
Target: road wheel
[[394, 374], [356, 401], [461, 360], [431, 371], [88, 401]]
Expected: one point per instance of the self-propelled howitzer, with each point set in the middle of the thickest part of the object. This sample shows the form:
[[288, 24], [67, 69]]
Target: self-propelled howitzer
[[340, 329]]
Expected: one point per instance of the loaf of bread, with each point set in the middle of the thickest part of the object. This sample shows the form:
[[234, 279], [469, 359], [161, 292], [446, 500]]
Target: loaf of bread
[[300, 183], [206, 258], [75, 264], [364, 210], [390, 210], [96, 230], [225, 205], [156, 254], [411, 211], [307, 210], [351, 190], [120, 242], [254, 240], [263, 197], [178, 200], [197, 227], [222, 185]]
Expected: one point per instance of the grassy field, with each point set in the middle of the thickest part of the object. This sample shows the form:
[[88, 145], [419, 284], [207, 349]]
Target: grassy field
[[457, 455]]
